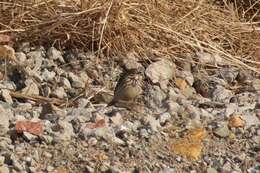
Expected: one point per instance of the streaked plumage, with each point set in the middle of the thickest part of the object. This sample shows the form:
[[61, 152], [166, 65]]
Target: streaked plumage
[[129, 86]]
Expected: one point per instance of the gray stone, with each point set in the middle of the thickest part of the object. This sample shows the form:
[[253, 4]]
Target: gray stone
[[187, 75], [48, 75], [84, 77], [5, 116], [54, 54], [47, 154], [229, 74], [76, 82], [164, 117], [7, 85], [31, 88], [59, 93], [92, 141], [156, 97], [230, 109], [222, 131], [221, 94], [65, 83], [155, 73], [4, 169], [173, 107], [35, 59], [144, 133], [29, 136], [21, 57], [49, 168], [207, 58], [2, 160], [6, 96], [37, 54], [117, 119], [47, 139], [251, 120], [16, 164], [167, 170], [24, 107], [68, 131], [211, 170], [130, 62], [24, 47], [256, 85], [226, 167], [33, 169], [153, 123]]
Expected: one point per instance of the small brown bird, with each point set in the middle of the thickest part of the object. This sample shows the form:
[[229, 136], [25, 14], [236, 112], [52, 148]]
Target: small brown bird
[[128, 87]]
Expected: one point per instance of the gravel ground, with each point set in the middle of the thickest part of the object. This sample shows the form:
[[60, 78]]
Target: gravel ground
[[188, 120]]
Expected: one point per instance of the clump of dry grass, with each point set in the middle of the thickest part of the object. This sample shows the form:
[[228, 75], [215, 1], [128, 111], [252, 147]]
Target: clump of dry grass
[[150, 28]]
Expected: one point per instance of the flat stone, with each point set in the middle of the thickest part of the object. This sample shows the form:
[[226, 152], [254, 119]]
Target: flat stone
[[5, 116], [55, 54], [164, 117], [4, 169], [59, 93], [6, 96], [21, 57], [48, 75], [222, 131], [29, 136], [68, 131], [211, 170], [65, 83], [251, 120], [221, 94], [31, 88], [76, 81]]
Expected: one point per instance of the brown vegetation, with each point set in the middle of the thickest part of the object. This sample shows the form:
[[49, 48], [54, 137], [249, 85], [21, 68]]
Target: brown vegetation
[[149, 28]]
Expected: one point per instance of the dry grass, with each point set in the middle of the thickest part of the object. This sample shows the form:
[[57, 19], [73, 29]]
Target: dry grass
[[150, 27]]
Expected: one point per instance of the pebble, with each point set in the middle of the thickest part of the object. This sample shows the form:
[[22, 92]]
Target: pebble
[[21, 57], [6, 96], [187, 75], [153, 123], [211, 170], [48, 75], [35, 55], [59, 93], [222, 131], [7, 85], [65, 83], [231, 108], [126, 134], [226, 167], [144, 133], [50, 168], [256, 85], [29, 136], [251, 120], [31, 88], [92, 141], [220, 94], [76, 82], [67, 130], [54, 54], [4, 169], [5, 117], [164, 117], [156, 97], [155, 73], [229, 74]]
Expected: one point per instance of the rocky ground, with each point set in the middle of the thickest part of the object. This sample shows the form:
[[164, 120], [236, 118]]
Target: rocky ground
[[191, 118]]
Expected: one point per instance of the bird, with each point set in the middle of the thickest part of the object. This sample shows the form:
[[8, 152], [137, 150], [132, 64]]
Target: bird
[[129, 87]]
